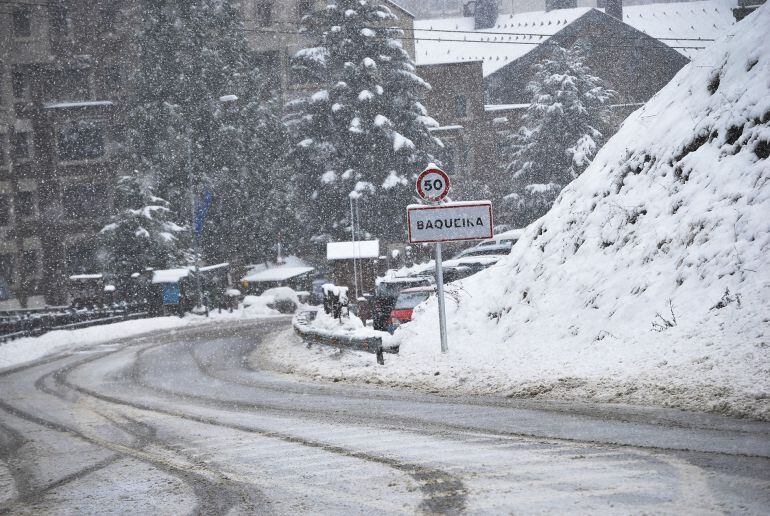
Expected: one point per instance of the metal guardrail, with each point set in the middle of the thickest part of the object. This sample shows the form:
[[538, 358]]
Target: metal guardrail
[[34, 324], [302, 327]]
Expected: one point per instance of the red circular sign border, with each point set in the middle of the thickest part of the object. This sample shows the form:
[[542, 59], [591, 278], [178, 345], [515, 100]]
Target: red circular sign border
[[440, 172]]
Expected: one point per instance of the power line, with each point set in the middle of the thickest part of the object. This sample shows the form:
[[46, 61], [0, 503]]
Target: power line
[[449, 40], [479, 34]]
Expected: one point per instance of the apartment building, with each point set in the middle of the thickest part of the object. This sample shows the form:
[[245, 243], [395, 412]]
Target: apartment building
[[61, 71], [64, 69]]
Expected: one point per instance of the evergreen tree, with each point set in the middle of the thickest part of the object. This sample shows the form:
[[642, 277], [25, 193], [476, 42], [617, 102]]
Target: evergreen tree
[[197, 122], [363, 131], [142, 234], [562, 128]]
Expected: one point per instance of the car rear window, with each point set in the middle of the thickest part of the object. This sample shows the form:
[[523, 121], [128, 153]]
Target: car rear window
[[408, 300]]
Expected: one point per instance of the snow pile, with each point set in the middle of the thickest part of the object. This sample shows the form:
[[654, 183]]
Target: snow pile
[[347, 325], [272, 301], [649, 280]]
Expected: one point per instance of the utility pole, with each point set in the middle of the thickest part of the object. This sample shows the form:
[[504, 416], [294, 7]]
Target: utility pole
[[196, 239], [355, 250]]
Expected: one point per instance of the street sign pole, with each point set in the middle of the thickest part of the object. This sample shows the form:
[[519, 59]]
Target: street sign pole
[[441, 304]]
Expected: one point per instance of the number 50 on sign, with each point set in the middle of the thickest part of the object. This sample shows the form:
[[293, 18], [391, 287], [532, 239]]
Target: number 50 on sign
[[433, 184]]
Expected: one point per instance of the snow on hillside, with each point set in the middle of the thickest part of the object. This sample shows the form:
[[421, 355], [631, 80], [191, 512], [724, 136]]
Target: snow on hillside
[[649, 281]]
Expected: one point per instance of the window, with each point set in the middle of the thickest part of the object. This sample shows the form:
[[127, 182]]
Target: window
[[81, 257], [265, 13], [60, 22], [20, 146], [6, 273], [112, 81], [448, 157], [22, 22], [30, 263], [70, 84], [304, 7], [25, 204], [5, 210], [19, 83], [84, 201], [461, 106], [80, 140]]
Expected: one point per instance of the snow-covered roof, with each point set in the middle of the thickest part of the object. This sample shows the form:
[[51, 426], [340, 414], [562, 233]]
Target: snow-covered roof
[[277, 274], [446, 128], [170, 275], [491, 108], [451, 40], [398, 4], [350, 250], [691, 20], [83, 104], [209, 268], [488, 45], [76, 277]]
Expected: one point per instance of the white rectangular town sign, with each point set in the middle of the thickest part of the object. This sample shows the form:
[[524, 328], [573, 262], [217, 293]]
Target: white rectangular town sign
[[450, 222]]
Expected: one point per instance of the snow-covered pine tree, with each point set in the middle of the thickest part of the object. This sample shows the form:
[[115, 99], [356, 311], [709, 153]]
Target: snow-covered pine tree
[[561, 130], [143, 232], [187, 131], [363, 129]]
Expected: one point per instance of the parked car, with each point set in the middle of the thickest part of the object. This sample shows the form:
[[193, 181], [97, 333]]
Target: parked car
[[386, 294], [499, 244], [452, 272], [486, 250], [407, 300]]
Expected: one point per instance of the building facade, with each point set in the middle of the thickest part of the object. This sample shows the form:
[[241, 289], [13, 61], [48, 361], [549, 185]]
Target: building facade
[[64, 69], [61, 71]]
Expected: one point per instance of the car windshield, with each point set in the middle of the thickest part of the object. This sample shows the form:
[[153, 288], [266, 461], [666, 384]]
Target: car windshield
[[391, 289], [408, 300]]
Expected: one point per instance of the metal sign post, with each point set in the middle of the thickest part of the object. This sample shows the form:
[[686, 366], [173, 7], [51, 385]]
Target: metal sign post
[[440, 293]]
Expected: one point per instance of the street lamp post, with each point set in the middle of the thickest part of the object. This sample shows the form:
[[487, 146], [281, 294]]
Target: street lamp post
[[224, 99]]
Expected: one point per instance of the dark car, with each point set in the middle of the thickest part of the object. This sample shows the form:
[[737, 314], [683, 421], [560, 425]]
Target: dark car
[[387, 292]]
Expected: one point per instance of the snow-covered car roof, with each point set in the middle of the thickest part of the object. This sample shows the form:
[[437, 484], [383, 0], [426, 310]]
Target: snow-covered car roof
[[489, 259], [406, 279], [409, 290]]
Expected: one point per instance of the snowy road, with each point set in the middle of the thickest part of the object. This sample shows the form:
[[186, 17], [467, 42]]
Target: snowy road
[[179, 423]]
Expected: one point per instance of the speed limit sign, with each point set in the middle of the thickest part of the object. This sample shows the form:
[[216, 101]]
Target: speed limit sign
[[433, 184]]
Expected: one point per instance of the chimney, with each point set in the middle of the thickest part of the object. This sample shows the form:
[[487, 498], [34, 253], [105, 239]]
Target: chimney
[[485, 14], [615, 9]]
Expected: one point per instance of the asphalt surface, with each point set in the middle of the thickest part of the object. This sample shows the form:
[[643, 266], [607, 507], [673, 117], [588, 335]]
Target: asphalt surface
[[179, 423]]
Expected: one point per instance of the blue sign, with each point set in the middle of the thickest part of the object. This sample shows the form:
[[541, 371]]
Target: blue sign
[[171, 294], [201, 210]]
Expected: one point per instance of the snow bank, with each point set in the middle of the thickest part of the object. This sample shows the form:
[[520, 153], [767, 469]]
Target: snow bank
[[21, 351], [649, 280], [350, 326]]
